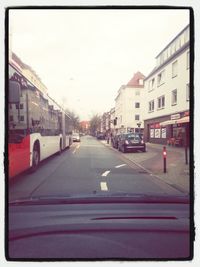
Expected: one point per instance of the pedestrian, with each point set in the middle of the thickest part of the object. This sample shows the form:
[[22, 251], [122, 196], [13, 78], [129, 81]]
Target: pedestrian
[[108, 137]]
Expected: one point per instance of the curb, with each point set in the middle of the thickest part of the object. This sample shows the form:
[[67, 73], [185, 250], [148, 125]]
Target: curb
[[146, 170]]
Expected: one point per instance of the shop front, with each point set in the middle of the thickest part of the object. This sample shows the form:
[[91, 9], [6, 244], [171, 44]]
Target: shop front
[[156, 133], [172, 130]]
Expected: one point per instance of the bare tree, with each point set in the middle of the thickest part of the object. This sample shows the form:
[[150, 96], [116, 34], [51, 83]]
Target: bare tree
[[75, 120], [95, 123]]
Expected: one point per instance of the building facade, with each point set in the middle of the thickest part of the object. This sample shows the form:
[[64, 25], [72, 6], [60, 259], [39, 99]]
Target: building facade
[[128, 108], [105, 123], [167, 94], [84, 126], [112, 120]]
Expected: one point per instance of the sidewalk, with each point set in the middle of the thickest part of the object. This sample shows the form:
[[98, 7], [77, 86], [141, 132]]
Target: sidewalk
[[177, 173]]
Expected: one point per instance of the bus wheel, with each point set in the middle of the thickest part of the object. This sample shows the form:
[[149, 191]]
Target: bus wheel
[[36, 158]]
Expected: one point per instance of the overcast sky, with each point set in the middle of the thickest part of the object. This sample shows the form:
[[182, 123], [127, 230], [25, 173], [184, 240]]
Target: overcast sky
[[84, 56]]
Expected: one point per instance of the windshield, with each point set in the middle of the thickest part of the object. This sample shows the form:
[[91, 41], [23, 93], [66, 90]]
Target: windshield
[[133, 136], [104, 121]]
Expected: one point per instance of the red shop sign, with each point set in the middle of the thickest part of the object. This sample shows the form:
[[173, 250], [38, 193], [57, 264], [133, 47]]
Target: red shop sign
[[157, 125]]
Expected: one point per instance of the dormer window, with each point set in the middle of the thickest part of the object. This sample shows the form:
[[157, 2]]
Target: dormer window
[[141, 82]]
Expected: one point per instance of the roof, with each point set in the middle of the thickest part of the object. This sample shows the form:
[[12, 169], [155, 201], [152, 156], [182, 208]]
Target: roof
[[24, 66], [172, 57], [135, 80], [188, 26]]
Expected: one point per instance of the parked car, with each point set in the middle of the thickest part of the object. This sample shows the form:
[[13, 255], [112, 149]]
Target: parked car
[[76, 137], [115, 140], [131, 142], [100, 136]]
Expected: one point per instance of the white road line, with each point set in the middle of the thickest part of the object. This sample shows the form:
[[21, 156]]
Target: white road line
[[105, 173], [78, 146], [104, 186], [118, 166], [74, 151]]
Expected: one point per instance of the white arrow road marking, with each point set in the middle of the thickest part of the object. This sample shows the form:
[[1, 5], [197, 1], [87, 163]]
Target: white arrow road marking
[[120, 166], [104, 186], [105, 173], [78, 146]]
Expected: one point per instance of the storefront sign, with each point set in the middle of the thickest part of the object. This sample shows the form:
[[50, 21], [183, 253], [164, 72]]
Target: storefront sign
[[157, 133], [175, 116], [163, 133], [155, 126]]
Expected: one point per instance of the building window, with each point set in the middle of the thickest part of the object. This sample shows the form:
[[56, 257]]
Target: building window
[[149, 87], [173, 48], [174, 97], [161, 102], [188, 92], [174, 69], [11, 118], [186, 35], [151, 106], [140, 81], [169, 51], [10, 106], [137, 105], [178, 45], [21, 118], [151, 84], [17, 106], [137, 92], [188, 60], [161, 78], [137, 117], [161, 58], [21, 106]]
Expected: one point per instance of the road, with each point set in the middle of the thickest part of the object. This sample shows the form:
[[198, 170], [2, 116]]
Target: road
[[88, 167]]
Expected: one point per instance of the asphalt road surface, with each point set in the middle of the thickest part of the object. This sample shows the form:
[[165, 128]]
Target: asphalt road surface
[[86, 168]]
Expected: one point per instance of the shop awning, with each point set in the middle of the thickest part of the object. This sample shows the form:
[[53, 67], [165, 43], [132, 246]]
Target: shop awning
[[164, 123], [184, 120]]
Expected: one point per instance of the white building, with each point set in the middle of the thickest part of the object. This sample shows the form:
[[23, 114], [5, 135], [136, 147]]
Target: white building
[[112, 119], [166, 93], [128, 110], [105, 122]]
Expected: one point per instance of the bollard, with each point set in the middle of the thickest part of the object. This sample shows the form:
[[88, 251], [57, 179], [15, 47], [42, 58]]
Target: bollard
[[164, 159]]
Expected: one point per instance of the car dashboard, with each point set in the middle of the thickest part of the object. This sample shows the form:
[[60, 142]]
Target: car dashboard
[[99, 231]]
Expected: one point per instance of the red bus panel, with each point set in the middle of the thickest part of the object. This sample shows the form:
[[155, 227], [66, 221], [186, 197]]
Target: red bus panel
[[19, 156]]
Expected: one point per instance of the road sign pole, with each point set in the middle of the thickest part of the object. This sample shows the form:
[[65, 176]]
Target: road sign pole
[[164, 160]]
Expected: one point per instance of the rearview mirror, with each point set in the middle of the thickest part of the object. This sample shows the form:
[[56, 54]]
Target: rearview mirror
[[14, 92]]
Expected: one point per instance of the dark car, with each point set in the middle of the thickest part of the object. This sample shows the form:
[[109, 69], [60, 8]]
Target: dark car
[[131, 142], [100, 136], [115, 140]]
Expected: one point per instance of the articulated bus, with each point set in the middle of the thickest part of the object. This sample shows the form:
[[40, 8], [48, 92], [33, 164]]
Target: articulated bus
[[38, 126]]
